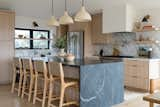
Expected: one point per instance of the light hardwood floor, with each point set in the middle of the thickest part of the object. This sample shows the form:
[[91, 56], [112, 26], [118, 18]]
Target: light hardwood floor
[[132, 99]]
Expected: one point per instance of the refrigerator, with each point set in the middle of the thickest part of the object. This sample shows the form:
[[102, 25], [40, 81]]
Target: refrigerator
[[75, 44]]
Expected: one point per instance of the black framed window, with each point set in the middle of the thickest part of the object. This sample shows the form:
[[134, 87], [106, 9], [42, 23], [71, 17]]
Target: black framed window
[[32, 39]]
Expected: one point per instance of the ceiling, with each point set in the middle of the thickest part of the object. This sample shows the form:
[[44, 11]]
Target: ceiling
[[42, 8]]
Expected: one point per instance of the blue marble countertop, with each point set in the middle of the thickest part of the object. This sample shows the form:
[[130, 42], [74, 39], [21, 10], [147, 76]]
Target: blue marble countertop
[[79, 62]]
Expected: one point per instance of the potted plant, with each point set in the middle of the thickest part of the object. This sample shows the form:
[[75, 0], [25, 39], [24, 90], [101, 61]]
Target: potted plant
[[60, 43]]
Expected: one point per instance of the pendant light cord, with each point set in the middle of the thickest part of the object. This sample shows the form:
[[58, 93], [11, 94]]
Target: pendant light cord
[[65, 5], [82, 2], [52, 9]]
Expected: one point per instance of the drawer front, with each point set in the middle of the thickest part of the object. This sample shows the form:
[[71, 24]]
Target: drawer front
[[143, 84]]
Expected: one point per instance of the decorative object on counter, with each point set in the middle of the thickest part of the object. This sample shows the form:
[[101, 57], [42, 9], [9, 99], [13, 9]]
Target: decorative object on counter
[[69, 57], [83, 15], [53, 21], [66, 19], [116, 52], [35, 24], [101, 52], [145, 52], [61, 45]]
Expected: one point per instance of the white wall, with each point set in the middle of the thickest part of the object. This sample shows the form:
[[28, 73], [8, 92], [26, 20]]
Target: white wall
[[155, 15], [26, 22]]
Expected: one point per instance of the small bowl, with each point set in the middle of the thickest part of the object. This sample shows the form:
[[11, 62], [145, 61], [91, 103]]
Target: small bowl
[[69, 58], [20, 36]]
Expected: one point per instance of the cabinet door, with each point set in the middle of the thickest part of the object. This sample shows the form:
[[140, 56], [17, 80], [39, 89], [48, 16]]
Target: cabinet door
[[6, 26], [114, 19], [6, 56], [6, 45]]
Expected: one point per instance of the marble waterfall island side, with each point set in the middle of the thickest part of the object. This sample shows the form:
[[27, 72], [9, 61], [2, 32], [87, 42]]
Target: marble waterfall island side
[[101, 81], [101, 85]]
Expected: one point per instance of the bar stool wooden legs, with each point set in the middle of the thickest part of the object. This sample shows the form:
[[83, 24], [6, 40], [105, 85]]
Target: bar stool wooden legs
[[28, 74], [56, 70], [17, 69], [41, 73], [64, 86], [52, 97]]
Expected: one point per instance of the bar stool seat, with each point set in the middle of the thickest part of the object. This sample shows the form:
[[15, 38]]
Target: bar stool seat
[[56, 70], [154, 96], [41, 73], [28, 74], [17, 69]]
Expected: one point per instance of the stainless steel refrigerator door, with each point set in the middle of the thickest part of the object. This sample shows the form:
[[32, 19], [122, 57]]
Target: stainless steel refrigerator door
[[75, 44]]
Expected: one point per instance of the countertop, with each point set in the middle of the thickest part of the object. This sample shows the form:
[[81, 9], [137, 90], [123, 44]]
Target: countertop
[[143, 59], [79, 62]]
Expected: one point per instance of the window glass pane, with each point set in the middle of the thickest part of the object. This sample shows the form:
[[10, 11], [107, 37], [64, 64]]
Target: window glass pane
[[22, 34], [40, 35], [22, 43], [22, 39], [40, 42]]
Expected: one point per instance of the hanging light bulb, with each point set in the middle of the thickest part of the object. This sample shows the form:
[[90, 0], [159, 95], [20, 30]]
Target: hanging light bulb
[[83, 15], [53, 21], [66, 19]]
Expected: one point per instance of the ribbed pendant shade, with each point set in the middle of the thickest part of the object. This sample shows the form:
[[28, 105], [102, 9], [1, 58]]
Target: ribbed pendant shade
[[53, 21], [66, 19], [83, 15]]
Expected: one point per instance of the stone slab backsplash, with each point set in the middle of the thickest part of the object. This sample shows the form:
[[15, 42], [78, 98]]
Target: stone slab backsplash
[[35, 52], [126, 44]]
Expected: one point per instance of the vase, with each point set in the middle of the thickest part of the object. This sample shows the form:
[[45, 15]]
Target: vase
[[61, 51]]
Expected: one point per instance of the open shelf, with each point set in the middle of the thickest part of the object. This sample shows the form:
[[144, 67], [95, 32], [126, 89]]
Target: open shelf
[[147, 30], [33, 39]]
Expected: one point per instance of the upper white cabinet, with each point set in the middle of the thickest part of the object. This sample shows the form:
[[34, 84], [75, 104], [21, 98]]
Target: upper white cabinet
[[118, 18]]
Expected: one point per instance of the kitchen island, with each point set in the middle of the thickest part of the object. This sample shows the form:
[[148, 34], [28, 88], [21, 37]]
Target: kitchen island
[[101, 81]]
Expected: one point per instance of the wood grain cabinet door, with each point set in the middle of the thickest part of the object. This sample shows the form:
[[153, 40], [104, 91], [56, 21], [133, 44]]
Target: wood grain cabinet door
[[6, 45]]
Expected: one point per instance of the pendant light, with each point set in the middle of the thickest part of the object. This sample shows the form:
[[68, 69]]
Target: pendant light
[[83, 15], [53, 21], [66, 19]]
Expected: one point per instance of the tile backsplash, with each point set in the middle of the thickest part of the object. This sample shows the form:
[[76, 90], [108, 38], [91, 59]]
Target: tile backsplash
[[125, 43]]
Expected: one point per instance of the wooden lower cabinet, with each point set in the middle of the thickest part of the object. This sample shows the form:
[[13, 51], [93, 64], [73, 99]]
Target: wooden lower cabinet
[[138, 73]]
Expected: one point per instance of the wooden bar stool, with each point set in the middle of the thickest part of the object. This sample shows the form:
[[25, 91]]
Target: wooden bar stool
[[154, 96], [27, 89], [17, 69], [56, 70], [41, 73]]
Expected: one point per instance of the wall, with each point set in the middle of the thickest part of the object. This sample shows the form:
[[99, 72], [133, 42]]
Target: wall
[[26, 22]]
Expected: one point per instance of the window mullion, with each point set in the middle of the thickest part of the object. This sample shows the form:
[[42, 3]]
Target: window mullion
[[31, 40]]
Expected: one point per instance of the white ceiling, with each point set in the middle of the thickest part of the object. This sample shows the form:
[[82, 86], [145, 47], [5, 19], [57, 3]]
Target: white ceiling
[[42, 8]]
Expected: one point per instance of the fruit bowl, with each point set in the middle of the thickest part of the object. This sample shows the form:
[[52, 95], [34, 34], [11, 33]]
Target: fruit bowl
[[69, 57]]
